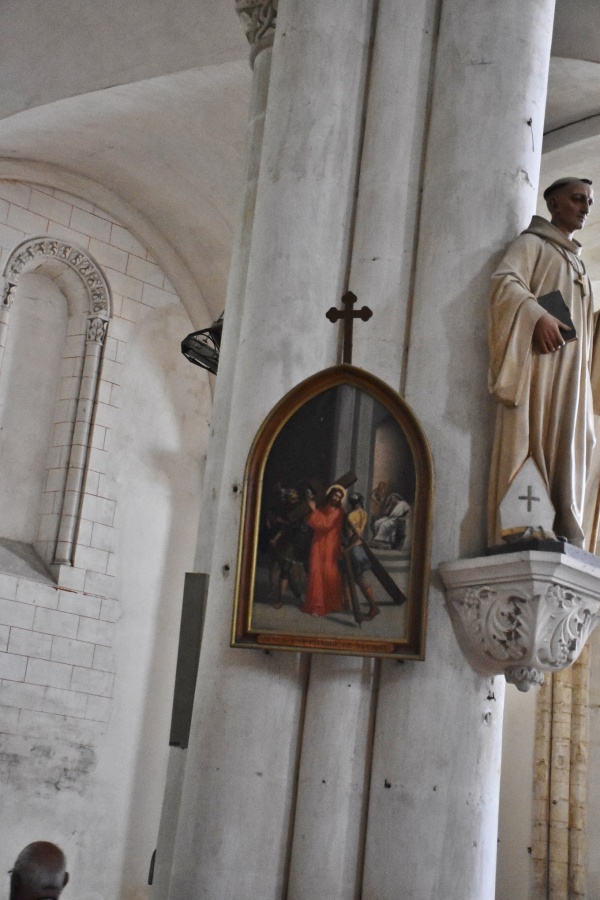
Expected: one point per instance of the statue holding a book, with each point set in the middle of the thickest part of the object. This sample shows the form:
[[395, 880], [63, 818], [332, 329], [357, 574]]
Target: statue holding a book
[[545, 360]]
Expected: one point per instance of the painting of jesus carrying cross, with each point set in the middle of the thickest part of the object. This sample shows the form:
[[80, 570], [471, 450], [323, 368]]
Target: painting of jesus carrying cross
[[334, 545]]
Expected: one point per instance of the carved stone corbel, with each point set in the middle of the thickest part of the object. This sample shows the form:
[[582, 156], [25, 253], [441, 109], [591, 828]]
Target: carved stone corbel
[[259, 18], [523, 613]]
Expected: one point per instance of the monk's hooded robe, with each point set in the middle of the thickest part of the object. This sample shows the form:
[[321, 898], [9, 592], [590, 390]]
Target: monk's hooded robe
[[546, 400]]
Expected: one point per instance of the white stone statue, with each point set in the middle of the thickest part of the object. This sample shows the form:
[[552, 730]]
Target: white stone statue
[[545, 386]]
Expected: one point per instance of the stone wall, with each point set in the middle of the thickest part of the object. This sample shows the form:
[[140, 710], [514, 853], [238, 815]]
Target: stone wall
[[82, 645]]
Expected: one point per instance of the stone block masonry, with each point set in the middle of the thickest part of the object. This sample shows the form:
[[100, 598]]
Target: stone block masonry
[[128, 429], [55, 654], [137, 285]]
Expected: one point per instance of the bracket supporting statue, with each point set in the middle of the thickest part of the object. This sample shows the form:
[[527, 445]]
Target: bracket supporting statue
[[524, 612]]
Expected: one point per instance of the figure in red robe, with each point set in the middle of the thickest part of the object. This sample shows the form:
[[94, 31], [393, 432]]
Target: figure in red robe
[[324, 593]]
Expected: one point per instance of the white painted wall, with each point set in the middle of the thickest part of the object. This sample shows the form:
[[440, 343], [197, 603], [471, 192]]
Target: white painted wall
[[516, 794], [87, 670], [157, 459], [29, 380]]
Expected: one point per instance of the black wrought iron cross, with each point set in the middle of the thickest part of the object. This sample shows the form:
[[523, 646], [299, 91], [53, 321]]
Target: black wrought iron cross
[[529, 497], [348, 315]]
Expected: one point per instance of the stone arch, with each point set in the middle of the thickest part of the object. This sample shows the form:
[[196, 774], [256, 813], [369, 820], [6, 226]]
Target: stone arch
[[164, 255], [51, 256], [31, 254]]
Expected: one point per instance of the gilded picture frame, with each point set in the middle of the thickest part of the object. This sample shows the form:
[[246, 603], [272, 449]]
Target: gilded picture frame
[[335, 536]]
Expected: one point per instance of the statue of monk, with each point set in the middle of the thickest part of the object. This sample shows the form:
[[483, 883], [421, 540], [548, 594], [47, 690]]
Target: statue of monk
[[545, 387]]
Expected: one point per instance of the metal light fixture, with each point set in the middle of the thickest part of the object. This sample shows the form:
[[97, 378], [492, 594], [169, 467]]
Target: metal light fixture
[[202, 347]]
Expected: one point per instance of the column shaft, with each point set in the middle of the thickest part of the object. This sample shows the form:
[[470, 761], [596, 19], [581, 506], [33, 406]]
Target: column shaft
[[434, 789], [236, 820], [80, 444], [332, 799], [234, 306], [280, 766], [213, 472]]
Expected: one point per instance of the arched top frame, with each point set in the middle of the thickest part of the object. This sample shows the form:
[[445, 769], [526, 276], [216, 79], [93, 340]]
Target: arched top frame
[[390, 635]]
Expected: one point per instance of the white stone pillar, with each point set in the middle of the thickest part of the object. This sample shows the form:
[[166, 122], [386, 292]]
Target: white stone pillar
[[234, 306], [260, 57], [332, 797], [432, 821], [237, 818], [6, 298], [420, 744]]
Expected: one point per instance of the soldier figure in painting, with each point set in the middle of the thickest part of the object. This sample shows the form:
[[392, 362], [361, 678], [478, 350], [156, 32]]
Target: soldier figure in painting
[[290, 545], [359, 561], [544, 386]]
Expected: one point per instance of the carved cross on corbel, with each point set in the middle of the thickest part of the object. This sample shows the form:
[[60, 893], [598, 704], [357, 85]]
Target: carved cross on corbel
[[529, 497], [348, 315]]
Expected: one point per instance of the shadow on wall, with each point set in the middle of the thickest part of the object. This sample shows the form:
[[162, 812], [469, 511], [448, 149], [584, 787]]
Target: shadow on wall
[[158, 458]]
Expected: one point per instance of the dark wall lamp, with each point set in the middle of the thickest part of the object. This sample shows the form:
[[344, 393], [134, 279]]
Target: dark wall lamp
[[202, 347]]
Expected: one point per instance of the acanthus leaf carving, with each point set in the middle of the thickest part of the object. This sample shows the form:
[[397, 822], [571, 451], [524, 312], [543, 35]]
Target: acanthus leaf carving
[[565, 624], [523, 614], [500, 622], [96, 330]]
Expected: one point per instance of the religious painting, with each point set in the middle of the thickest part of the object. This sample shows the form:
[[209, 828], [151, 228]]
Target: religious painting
[[336, 522]]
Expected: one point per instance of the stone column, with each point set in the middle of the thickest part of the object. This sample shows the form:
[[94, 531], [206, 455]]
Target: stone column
[[6, 298], [259, 21], [342, 693], [237, 819], [69, 517], [260, 28], [339, 777], [436, 760]]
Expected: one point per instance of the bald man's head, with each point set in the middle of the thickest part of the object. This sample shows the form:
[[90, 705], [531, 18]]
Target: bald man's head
[[39, 872]]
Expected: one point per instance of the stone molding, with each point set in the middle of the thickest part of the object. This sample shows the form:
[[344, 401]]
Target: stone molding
[[521, 614], [259, 19], [30, 253]]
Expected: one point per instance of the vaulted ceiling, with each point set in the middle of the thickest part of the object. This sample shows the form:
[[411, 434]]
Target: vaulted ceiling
[[143, 104]]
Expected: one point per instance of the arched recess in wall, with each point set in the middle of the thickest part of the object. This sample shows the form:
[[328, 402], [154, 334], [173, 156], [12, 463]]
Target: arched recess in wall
[[163, 253], [89, 305]]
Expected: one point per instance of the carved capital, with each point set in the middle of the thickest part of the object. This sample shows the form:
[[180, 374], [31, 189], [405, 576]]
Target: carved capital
[[259, 18], [96, 330], [8, 293], [534, 612]]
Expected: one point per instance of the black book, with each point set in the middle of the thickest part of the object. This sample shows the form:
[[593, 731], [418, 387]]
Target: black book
[[554, 304]]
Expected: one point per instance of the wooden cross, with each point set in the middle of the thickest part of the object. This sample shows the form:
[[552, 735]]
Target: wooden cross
[[580, 281], [530, 498], [348, 315]]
